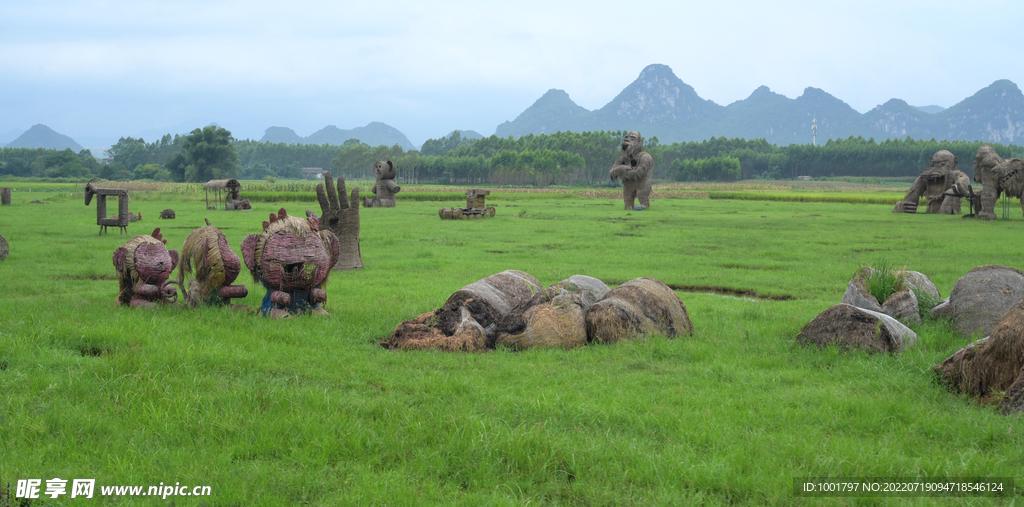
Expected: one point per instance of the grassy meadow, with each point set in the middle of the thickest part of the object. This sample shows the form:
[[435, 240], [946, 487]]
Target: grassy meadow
[[311, 411]]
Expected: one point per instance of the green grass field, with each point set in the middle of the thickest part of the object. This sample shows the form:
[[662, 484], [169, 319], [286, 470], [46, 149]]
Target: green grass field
[[311, 411]]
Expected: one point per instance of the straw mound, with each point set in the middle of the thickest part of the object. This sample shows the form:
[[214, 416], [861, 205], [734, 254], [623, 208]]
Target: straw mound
[[488, 300], [421, 333], [558, 323], [849, 327], [586, 289], [1014, 399], [637, 308], [992, 363], [980, 298], [459, 325]]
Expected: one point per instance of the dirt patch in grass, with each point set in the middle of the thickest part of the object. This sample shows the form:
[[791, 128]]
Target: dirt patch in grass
[[755, 268], [726, 291], [93, 351], [92, 276]]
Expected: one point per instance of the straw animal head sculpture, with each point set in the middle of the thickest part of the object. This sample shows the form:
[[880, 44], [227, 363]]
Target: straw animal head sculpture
[[292, 258], [144, 265], [209, 266]]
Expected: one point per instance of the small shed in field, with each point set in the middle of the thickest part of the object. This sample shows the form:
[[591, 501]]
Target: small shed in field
[[230, 187]]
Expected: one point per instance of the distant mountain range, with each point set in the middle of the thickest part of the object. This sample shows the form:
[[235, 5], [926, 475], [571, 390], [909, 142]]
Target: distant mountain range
[[659, 104], [374, 134], [41, 136]]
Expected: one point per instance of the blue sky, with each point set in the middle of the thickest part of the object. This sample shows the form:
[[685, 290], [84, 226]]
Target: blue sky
[[98, 70]]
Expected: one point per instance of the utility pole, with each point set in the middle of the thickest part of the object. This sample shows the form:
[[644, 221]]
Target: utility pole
[[814, 132]]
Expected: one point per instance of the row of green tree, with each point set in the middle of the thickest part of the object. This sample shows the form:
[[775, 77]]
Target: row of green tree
[[571, 158]]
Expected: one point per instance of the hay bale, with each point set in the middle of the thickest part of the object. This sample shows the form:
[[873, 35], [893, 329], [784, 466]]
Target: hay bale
[[922, 283], [857, 294], [488, 300], [637, 308], [990, 364], [850, 327], [982, 296], [422, 333], [902, 305], [5, 249], [590, 289], [556, 324], [941, 310], [1013, 401]]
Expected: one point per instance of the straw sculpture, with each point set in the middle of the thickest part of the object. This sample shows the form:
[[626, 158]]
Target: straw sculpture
[[4, 248], [476, 207], [341, 217], [121, 220], [292, 258], [144, 265], [634, 167], [941, 184], [385, 187], [209, 267], [985, 162]]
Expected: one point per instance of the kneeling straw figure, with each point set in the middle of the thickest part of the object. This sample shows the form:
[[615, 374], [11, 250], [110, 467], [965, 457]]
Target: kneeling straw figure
[[292, 258]]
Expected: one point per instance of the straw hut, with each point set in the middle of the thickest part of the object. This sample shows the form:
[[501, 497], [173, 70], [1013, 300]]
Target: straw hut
[[231, 189]]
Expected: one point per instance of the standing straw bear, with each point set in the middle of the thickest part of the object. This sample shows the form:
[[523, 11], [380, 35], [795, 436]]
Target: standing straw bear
[[385, 187], [634, 167]]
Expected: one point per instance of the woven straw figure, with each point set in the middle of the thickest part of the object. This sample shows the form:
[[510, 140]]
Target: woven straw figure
[[144, 265], [210, 266], [341, 217], [292, 258], [634, 167], [940, 183], [385, 187]]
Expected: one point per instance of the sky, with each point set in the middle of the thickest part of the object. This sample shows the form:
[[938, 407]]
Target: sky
[[99, 70]]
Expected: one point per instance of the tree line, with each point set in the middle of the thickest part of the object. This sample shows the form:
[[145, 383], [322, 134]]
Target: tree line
[[563, 158]]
